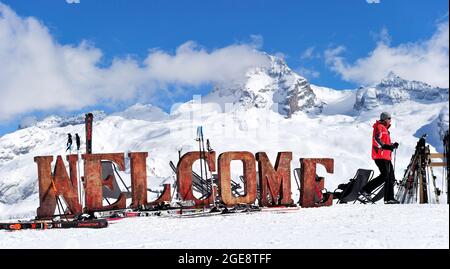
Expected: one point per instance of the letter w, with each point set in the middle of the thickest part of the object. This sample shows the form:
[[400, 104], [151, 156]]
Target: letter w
[[57, 184]]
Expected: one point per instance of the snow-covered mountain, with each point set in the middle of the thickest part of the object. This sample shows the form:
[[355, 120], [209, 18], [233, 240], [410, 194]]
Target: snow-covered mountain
[[274, 87], [393, 90], [145, 112], [59, 121], [310, 121]]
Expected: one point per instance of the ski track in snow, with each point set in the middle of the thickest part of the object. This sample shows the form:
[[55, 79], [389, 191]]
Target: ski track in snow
[[340, 226]]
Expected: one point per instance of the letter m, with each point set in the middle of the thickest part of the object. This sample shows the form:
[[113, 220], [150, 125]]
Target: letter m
[[275, 183]]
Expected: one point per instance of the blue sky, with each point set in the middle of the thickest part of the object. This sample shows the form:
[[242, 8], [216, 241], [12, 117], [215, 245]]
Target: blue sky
[[301, 31]]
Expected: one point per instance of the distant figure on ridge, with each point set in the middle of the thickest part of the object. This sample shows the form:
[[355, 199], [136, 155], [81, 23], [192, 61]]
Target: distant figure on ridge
[[69, 142], [77, 140]]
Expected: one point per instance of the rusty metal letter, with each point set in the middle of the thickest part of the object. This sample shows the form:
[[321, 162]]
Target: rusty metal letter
[[94, 182], [184, 176], [249, 164], [65, 186], [58, 184], [308, 183], [47, 196], [275, 182], [138, 167]]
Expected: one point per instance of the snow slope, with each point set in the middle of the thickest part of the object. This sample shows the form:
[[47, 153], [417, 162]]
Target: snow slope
[[337, 227], [336, 102], [145, 112]]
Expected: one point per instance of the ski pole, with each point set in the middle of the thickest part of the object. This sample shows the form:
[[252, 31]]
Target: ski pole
[[199, 128], [395, 158], [58, 201], [206, 173], [204, 153], [80, 184], [117, 173]]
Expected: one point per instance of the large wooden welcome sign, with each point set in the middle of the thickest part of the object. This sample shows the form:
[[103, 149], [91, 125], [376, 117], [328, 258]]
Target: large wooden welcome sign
[[274, 182]]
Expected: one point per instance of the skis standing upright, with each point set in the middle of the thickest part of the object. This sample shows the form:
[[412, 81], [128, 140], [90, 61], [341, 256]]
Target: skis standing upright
[[198, 139], [209, 149], [80, 183], [414, 182], [202, 152], [88, 124], [203, 162]]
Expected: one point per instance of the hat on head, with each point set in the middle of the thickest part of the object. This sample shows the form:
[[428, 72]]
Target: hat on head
[[385, 116]]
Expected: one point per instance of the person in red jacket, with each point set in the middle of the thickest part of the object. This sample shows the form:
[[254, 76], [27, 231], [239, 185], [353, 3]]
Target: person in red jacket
[[382, 155]]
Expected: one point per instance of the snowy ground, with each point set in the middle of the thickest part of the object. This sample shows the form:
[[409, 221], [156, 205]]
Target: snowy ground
[[340, 226]]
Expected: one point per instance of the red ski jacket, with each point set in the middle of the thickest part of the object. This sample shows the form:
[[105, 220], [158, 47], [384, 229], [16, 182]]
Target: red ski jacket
[[380, 137]]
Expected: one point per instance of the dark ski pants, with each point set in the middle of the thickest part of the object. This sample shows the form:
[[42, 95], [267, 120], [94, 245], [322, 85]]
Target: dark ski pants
[[386, 177]]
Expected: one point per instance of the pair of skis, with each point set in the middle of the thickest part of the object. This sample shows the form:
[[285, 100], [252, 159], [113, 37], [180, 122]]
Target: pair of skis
[[246, 209], [45, 225], [113, 215], [220, 212]]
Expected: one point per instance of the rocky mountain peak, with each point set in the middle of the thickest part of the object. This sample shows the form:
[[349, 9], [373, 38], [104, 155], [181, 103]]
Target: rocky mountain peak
[[274, 87]]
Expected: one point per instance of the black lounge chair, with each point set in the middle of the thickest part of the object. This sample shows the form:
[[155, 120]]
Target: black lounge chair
[[352, 191]]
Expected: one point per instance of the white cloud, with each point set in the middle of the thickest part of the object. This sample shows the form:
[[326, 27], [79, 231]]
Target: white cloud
[[194, 65], [257, 41], [309, 53], [280, 55], [38, 73], [373, 1], [72, 1], [426, 61], [308, 73], [383, 36]]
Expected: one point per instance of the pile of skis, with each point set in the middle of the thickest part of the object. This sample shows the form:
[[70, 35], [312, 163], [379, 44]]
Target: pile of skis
[[170, 211], [101, 219], [419, 179], [167, 210]]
